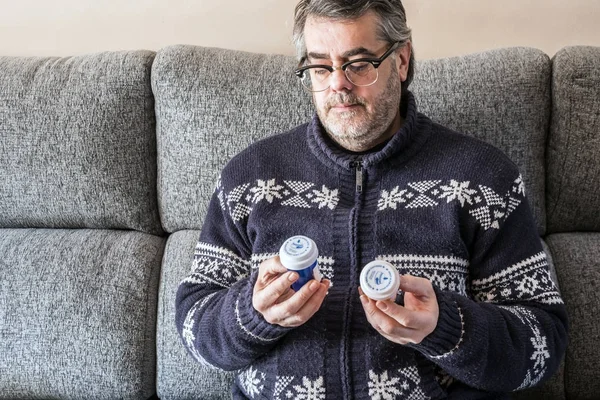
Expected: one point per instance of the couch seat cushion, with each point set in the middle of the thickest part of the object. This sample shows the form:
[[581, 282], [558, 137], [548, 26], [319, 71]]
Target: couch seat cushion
[[78, 313]]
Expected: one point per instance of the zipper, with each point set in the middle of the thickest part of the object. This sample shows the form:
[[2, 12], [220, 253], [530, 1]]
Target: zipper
[[347, 380], [358, 169]]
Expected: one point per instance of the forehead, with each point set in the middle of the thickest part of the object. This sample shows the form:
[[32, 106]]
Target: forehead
[[334, 37]]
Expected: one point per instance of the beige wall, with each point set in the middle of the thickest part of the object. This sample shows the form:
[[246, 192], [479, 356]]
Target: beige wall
[[440, 27]]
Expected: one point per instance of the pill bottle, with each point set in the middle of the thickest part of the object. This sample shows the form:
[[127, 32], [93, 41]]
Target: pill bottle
[[299, 253], [380, 280]]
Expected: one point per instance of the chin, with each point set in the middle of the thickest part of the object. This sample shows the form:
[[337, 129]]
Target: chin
[[343, 133]]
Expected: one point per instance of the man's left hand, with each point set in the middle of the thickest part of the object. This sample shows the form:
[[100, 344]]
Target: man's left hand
[[410, 323]]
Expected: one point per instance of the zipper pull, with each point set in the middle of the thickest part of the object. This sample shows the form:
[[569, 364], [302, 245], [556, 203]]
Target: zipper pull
[[359, 176]]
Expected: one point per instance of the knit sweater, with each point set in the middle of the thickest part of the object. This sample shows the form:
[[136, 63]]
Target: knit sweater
[[432, 202]]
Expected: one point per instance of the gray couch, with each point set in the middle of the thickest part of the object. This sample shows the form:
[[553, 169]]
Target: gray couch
[[107, 162]]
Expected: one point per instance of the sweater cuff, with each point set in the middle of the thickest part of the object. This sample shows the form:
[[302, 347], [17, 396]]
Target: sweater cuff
[[448, 334], [250, 320]]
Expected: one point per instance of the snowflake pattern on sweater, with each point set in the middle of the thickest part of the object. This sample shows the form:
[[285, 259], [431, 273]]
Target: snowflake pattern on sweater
[[539, 341], [400, 384], [483, 203], [251, 381], [239, 201], [306, 388]]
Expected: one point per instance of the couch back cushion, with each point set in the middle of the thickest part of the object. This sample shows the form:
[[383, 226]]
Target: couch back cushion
[[574, 143], [211, 103], [77, 142]]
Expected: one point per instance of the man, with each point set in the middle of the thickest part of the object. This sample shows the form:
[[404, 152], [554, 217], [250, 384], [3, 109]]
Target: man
[[371, 178]]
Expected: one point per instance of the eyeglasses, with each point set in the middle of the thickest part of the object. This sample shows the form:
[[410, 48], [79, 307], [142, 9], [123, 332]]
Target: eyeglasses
[[361, 72]]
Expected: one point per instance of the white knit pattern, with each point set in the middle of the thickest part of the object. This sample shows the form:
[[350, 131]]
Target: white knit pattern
[[188, 331], [540, 353], [484, 204], [217, 265], [527, 280], [306, 388], [396, 384], [240, 200], [446, 272]]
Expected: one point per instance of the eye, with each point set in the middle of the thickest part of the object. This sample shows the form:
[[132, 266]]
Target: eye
[[360, 68], [320, 71]]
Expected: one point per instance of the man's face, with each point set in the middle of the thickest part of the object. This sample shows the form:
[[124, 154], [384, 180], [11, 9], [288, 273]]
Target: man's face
[[356, 117]]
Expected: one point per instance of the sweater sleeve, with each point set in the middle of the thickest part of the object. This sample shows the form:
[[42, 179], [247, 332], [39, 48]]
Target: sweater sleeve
[[511, 332], [214, 314]]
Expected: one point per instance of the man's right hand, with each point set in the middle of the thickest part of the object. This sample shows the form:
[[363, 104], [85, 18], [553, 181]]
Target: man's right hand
[[278, 303]]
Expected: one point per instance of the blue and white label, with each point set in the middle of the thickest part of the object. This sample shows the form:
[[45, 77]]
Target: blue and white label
[[297, 246], [379, 278]]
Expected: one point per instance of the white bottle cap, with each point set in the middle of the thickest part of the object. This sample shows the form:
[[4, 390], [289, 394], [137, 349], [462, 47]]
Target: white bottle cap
[[298, 253], [380, 280]]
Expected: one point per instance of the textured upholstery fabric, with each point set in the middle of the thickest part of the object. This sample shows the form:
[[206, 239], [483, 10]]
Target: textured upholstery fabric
[[78, 313], [210, 104], [179, 375], [500, 96], [551, 265], [577, 260], [77, 142], [574, 143]]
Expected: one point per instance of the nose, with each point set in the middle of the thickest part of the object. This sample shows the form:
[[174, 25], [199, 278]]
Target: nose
[[338, 81]]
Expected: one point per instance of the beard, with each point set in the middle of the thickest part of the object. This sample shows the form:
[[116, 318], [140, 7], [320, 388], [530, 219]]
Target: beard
[[366, 125]]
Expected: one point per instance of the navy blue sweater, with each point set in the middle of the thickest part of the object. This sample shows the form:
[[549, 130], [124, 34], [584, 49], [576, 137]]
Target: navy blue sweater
[[432, 202]]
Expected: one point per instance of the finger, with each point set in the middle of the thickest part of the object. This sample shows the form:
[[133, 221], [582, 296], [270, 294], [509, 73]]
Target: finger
[[288, 294], [292, 306], [383, 323], [310, 307], [404, 317], [268, 271], [420, 287], [373, 314], [263, 298]]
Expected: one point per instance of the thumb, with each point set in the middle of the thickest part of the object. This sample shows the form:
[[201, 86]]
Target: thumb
[[268, 271]]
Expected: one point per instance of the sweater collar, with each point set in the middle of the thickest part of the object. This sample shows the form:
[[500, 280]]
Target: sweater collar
[[400, 146]]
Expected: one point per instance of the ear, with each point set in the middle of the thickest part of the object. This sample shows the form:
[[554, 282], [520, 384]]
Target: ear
[[403, 54]]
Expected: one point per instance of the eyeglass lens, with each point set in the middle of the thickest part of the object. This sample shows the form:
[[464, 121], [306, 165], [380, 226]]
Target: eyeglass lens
[[360, 74]]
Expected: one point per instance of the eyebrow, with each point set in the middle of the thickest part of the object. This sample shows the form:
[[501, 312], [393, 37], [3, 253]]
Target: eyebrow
[[347, 54]]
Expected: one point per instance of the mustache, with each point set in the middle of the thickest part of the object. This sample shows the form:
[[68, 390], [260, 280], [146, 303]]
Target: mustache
[[344, 98]]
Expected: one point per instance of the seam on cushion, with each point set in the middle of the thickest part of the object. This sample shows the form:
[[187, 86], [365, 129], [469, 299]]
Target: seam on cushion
[[551, 213], [565, 358], [146, 354]]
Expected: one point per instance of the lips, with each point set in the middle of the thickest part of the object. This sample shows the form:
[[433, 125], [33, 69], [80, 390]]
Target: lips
[[343, 102], [344, 107]]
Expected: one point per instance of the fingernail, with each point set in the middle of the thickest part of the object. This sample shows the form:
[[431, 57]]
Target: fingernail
[[292, 277], [382, 305], [313, 285]]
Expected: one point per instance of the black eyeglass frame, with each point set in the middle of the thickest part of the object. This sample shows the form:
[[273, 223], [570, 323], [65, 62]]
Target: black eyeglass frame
[[376, 62]]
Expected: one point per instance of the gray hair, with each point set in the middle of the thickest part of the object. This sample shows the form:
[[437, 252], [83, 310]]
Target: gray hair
[[392, 22]]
